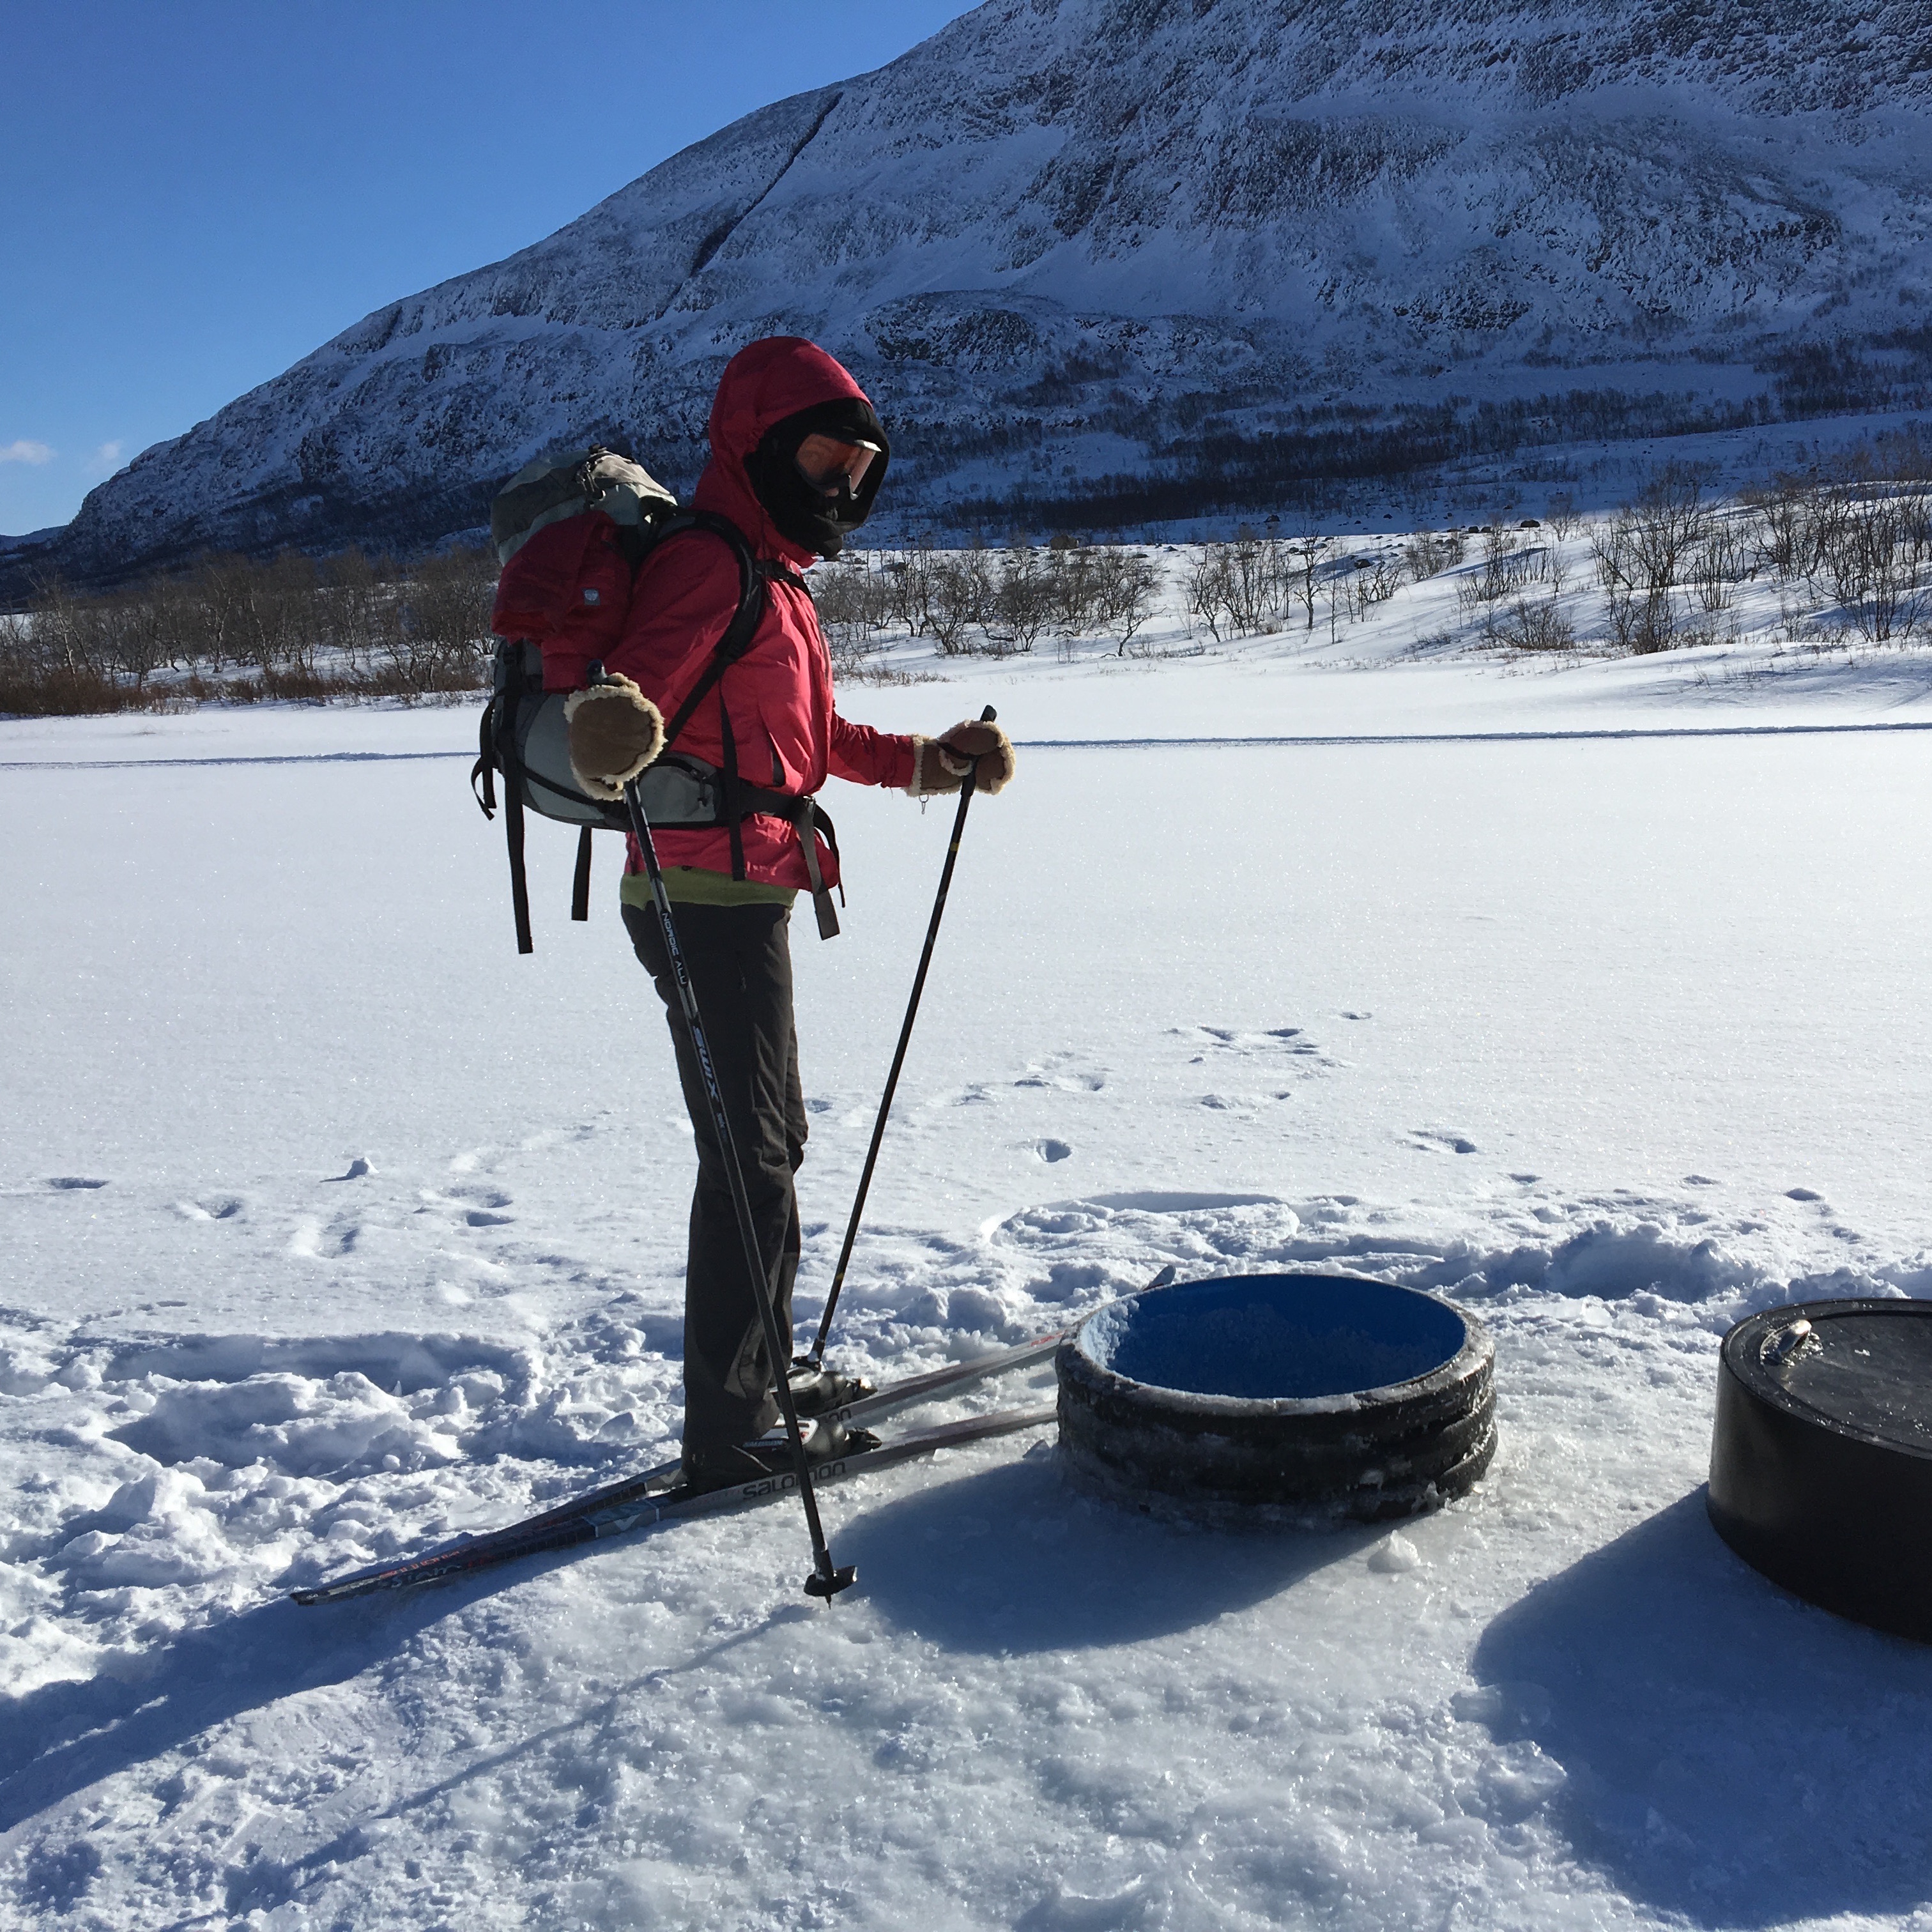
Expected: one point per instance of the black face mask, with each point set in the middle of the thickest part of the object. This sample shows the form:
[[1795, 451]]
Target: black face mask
[[804, 514]]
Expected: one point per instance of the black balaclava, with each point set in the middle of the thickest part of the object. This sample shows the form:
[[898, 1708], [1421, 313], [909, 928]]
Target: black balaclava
[[803, 515]]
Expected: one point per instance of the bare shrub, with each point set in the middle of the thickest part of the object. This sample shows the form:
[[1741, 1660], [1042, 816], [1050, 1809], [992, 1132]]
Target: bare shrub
[[1428, 554], [1668, 517], [1642, 554], [1874, 547], [347, 627], [1508, 566], [1717, 563], [1023, 603], [1238, 588], [1377, 579], [1303, 566], [1562, 515], [953, 601], [1525, 626], [846, 598], [443, 642], [1782, 528], [911, 576], [1126, 597]]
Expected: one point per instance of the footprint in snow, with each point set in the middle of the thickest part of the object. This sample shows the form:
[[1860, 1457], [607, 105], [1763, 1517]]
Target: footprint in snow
[[1051, 1150], [481, 1197], [216, 1207], [359, 1169], [1427, 1141], [313, 1241], [1790, 1194], [65, 1183]]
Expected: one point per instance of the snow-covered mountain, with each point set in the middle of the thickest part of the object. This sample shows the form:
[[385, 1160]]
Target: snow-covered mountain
[[1066, 237]]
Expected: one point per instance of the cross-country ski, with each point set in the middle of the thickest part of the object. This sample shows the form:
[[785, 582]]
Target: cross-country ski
[[656, 1495], [632, 1507]]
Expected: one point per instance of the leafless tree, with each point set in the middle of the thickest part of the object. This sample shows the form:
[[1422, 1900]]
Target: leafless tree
[[1308, 554]]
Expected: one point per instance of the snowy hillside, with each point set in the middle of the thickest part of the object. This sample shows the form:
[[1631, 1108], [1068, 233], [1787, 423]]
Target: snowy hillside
[[1066, 239], [333, 1231]]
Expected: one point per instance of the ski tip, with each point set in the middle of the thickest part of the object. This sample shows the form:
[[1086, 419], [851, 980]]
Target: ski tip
[[1165, 1279], [828, 1582]]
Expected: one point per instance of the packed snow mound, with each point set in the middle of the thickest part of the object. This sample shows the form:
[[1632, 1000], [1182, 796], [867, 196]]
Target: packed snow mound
[[1071, 229]]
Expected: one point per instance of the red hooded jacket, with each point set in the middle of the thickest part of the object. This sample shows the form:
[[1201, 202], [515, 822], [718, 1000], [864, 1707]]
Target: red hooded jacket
[[779, 694]]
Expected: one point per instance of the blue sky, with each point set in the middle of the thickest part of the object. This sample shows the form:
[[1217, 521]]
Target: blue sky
[[194, 193]]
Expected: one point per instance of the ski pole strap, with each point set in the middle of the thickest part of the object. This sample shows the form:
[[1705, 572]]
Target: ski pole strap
[[806, 826], [580, 885], [729, 807], [810, 821], [513, 836], [483, 773]]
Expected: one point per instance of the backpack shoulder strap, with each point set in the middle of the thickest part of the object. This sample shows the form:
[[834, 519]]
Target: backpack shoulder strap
[[744, 620]]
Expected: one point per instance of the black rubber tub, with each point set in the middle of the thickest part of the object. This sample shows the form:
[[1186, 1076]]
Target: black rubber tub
[[1821, 1460], [1308, 1397]]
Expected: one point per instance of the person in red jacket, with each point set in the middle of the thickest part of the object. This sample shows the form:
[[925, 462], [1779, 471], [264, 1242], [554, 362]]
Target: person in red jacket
[[797, 456]]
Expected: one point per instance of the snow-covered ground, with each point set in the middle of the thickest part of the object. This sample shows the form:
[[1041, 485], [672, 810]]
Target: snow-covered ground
[[333, 1228]]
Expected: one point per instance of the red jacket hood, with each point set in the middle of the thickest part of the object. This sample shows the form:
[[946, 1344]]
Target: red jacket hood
[[762, 385]]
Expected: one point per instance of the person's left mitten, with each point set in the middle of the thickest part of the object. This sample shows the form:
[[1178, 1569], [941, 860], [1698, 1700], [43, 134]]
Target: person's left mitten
[[941, 764], [614, 731]]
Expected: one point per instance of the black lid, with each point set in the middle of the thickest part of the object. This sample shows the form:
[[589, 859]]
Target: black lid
[[1864, 1369]]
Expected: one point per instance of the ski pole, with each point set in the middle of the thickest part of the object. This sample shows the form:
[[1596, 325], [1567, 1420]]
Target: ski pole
[[817, 1358], [825, 1581]]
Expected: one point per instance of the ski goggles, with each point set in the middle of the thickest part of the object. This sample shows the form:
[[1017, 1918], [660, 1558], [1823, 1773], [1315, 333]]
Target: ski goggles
[[833, 465]]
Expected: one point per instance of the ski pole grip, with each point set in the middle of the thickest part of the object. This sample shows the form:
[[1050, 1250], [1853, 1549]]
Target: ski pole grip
[[972, 783]]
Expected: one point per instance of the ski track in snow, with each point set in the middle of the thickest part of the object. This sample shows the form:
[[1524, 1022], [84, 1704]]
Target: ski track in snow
[[1075, 745], [330, 1243]]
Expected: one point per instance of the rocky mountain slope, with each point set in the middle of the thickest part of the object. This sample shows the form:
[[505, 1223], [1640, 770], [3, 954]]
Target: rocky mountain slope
[[1064, 240]]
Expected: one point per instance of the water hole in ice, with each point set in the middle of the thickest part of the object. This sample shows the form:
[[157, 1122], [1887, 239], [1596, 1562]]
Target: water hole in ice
[[1274, 1337]]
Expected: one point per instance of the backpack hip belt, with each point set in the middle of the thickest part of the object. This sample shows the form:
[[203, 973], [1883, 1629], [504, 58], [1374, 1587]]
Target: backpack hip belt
[[680, 793]]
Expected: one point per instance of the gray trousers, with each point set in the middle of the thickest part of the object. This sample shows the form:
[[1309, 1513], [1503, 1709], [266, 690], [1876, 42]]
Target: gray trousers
[[740, 960]]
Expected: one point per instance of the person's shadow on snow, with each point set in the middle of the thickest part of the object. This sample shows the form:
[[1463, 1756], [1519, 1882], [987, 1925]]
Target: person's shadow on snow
[[1008, 1560], [65, 1736], [1731, 1754], [59, 1739]]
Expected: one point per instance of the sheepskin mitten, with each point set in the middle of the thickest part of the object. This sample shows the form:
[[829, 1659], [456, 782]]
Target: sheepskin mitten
[[941, 764], [615, 731]]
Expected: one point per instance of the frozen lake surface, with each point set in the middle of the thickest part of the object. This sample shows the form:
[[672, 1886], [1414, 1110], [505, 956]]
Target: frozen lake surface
[[334, 1229]]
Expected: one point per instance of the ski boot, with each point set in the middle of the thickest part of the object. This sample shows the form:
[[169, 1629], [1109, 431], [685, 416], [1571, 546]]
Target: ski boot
[[723, 1468], [817, 1391]]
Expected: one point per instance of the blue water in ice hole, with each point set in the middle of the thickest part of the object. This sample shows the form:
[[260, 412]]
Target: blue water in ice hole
[[1263, 1336]]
